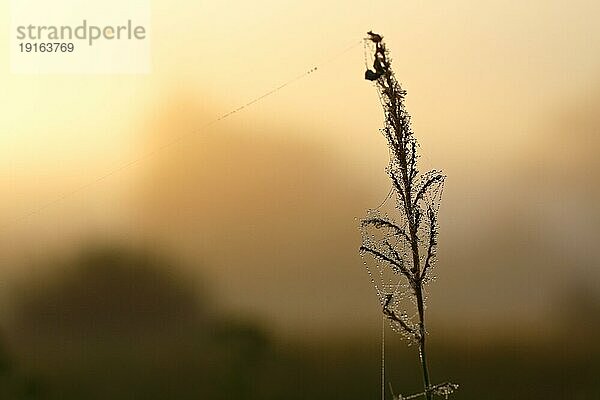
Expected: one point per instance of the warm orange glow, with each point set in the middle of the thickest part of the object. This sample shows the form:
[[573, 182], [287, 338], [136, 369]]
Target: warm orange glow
[[503, 98]]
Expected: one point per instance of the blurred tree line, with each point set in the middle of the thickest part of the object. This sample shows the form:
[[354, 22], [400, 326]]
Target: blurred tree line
[[116, 323]]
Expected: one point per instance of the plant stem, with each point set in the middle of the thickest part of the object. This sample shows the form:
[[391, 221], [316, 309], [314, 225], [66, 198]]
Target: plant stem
[[399, 136], [422, 351]]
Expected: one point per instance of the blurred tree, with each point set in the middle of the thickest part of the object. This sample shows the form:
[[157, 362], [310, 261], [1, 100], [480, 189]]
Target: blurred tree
[[124, 324]]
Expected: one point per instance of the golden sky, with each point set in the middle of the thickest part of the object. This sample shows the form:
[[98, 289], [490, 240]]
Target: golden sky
[[496, 89]]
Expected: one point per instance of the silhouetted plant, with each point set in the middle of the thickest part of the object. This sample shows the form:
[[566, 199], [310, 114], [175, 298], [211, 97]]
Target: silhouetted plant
[[403, 247]]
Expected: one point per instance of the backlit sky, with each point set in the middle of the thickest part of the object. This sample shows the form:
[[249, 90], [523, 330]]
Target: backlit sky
[[504, 98]]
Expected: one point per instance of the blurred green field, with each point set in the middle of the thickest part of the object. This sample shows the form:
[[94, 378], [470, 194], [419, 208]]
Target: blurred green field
[[239, 362]]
